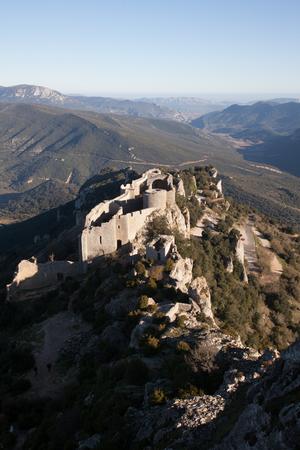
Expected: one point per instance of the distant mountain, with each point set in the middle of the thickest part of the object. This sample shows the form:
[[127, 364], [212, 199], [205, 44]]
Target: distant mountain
[[28, 93], [45, 96], [259, 119], [188, 107], [283, 100], [38, 143], [272, 130]]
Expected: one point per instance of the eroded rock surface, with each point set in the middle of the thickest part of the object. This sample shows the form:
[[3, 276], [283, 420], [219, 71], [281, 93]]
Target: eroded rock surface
[[181, 274], [200, 293]]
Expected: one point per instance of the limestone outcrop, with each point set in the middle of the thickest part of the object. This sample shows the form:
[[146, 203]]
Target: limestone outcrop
[[181, 274], [177, 220], [271, 418], [180, 188], [198, 421], [200, 293]]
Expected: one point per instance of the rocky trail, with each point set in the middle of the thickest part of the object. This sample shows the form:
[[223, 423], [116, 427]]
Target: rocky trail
[[251, 237]]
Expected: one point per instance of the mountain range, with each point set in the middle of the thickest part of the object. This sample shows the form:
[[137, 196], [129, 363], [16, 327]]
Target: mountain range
[[189, 107], [38, 143], [270, 131], [41, 143], [44, 96], [261, 117]]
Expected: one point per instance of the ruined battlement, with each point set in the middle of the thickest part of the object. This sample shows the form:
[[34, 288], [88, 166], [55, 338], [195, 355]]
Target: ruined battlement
[[32, 278], [116, 222]]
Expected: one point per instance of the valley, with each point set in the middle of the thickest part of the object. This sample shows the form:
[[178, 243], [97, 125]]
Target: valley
[[40, 143]]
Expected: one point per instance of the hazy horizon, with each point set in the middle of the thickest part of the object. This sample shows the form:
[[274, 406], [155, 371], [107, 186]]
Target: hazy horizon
[[208, 96]]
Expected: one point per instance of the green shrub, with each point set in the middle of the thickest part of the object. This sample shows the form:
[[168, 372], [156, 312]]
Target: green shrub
[[152, 308], [150, 344], [131, 283], [190, 390], [143, 302], [158, 397], [140, 268], [180, 321], [159, 225], [183, 347], [169, 265], [151, 285]]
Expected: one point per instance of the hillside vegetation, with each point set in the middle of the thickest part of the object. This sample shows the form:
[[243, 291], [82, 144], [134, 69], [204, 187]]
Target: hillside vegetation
[[39, 143], [280, 118]]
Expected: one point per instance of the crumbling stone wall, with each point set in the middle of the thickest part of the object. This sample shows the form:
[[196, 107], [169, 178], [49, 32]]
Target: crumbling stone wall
[[32, 277], [114, 223]]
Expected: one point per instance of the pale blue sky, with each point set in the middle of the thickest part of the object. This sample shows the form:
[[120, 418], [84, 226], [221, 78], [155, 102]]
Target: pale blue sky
[[141, 47]]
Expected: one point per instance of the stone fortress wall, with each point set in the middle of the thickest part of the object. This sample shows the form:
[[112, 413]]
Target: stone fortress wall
[[40, 277], [116, 222]]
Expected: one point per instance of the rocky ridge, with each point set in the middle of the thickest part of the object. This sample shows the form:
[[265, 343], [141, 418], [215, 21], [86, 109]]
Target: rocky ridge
[[157, 370]]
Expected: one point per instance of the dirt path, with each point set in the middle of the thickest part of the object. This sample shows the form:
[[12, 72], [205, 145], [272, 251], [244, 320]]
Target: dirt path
[[249, 245], [155, 164], [276, 267]]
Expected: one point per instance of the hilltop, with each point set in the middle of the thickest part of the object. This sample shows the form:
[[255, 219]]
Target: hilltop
[[248, 121], [142, 350]]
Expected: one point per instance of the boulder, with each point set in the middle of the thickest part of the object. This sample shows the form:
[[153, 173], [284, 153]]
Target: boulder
[[172, 310], [181, 274], [200, 293], [178, 220], [180, 188], [139, 331], [229, 265]]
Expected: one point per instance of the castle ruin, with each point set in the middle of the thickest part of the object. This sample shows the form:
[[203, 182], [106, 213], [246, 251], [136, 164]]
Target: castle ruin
[[114, 223]]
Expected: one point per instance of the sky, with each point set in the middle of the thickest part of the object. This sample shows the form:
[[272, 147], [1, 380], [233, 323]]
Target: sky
[[152, 47]]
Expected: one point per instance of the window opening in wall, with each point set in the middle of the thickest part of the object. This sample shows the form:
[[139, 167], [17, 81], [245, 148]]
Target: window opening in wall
[[100, 239], [119, 243]]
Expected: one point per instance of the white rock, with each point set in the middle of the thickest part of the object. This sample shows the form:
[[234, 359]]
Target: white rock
[[200, 293], [181, 274]]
